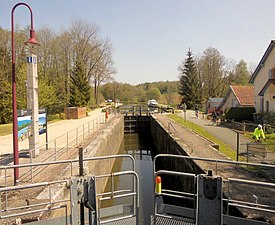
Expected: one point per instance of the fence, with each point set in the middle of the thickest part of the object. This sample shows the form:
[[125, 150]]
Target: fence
[[247, 126], [72, 138], [51, 151], [259, 152], [50, 196], [249, 194]]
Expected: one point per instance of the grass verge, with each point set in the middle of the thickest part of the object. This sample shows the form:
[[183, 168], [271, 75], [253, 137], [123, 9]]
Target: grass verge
[[5, 129], [225, 149]]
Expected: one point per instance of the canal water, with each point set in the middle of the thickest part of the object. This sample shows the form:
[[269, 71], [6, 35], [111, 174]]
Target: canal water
[[140, 146]]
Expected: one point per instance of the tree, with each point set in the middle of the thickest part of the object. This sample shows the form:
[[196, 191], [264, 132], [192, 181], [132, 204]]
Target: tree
[[95, 52], [80, 90], [57, 57], [47, 97], [190, 86], [103, 69], [5, 102], [153, 93], [215, 72], [241, 76], [169, 95]]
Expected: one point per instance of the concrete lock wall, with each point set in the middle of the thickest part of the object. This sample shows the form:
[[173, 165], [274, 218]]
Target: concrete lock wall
[[106, 143], [165, 143]]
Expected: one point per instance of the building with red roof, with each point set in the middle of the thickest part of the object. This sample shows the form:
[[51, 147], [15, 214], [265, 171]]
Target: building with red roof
[[238, 96]]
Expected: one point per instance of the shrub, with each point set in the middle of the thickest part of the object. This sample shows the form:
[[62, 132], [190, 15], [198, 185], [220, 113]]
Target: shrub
[[53, 117], [240, 113], [269, 118]]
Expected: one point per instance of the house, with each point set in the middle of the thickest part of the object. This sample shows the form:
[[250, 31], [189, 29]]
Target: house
[[212, 103], [238, 96], [263, 79]]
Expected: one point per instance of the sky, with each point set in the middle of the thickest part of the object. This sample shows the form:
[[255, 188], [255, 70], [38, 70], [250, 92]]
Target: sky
[[150, 38]]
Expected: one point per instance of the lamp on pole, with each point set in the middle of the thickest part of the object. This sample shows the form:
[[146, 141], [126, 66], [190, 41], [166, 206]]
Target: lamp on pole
[[31, 41]]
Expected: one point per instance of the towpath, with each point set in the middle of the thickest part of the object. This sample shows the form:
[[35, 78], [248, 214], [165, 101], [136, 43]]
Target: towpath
[[55, 130]]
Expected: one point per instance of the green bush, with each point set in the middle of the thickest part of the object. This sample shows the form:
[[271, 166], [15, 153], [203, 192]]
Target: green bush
[[270, 130], [62, 116], [240, 113], [268, 118], [53, 117]]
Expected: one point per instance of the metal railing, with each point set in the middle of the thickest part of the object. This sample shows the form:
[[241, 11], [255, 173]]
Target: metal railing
[[170, 125], [113, 194], [29, 208], [56, 148], [53, 197], [259, 152], [70, 139], [255, 194]]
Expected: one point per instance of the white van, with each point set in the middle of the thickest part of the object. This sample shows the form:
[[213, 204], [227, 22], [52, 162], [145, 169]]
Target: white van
[[152, 103]]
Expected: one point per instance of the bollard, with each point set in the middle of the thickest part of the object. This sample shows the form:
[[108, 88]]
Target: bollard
[[106, 114], [158, 185]]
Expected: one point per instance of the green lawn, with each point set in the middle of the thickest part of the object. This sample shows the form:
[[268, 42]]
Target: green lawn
[[5, 129], [225, 149]]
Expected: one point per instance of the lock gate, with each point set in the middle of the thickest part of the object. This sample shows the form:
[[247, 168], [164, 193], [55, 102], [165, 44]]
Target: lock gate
[[83, 204]]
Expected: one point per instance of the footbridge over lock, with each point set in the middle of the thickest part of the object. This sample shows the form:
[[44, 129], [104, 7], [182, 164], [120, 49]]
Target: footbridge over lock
[[195, 196]]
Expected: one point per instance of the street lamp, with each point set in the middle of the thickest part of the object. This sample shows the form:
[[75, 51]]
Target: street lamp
[[32, 41]]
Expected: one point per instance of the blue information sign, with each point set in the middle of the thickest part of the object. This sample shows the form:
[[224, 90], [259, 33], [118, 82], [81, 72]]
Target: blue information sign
[[29, 59]]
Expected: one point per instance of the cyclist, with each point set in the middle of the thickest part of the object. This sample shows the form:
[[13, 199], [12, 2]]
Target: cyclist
[[258, 133], [214, 116]]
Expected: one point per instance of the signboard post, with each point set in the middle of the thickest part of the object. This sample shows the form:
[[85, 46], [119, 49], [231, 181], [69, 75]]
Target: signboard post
[[32, 102]]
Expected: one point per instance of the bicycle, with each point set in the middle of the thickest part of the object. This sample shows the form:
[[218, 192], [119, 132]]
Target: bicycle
[[256, 148]]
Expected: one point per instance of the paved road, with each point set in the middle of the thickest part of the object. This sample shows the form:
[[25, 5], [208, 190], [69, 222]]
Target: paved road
[[226, 135], [55, 130]]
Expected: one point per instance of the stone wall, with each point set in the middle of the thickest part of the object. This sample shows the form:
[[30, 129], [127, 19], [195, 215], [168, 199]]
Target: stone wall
[[165, 143]]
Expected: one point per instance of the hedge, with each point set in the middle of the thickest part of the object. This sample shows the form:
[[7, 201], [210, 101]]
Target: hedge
[[240, 113]]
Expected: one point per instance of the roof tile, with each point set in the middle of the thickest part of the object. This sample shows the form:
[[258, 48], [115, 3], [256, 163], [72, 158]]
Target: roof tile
[[245, 94]]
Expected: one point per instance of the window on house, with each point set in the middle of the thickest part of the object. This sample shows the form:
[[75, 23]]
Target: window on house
[[267, 106], [261, 104]]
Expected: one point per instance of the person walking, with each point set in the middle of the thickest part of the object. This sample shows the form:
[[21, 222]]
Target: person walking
[[214, 116], [258, 133], [196, 111]]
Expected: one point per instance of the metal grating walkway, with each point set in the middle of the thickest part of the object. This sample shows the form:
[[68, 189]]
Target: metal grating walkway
[[129, 221], [159, 221], [171, 221]]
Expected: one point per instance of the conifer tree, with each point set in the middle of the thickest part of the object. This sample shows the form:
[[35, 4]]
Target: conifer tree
[[190, 87], [80, 89]]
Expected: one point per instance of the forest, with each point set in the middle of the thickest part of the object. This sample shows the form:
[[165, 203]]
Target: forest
[[76, 68]]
